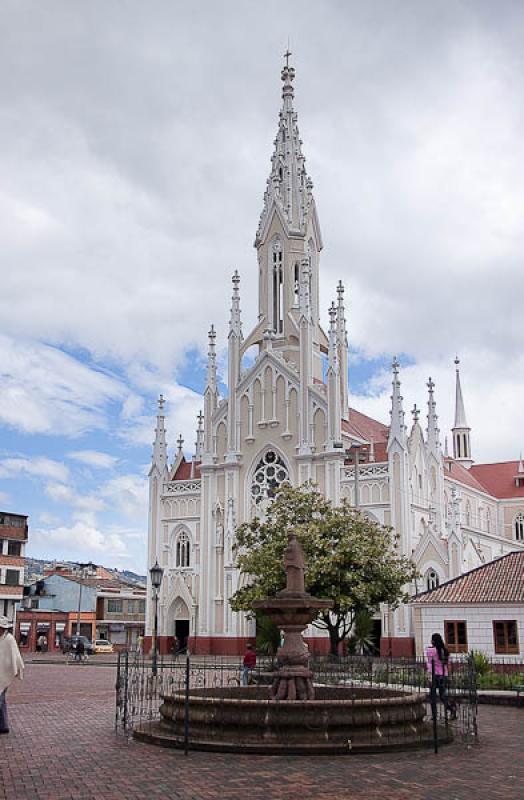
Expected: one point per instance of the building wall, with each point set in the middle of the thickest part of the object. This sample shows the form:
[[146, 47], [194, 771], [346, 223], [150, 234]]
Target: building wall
[[429, 619]]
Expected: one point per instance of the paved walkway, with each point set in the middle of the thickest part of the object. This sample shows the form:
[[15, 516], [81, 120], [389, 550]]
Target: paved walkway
[[62, 745]]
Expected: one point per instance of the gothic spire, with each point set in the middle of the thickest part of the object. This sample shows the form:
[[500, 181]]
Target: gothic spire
[[199, 444], [235, 326], [460, 413], [460, 430], [398, 428], [433, 432], [288, 184], [159, 457], [211, 378]]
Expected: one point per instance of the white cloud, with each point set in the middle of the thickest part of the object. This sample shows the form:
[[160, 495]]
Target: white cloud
[[128, 494], [93, 458], [79, 540], [48, 519], [43, 390], [37, 467]]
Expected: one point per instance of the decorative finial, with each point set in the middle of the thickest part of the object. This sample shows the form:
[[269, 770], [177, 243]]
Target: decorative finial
[[236, 280], [212, 335], [161, 403], [180, 442], [340, 290], [332, 315], [287, 54], [200, 420], [430, 385], [457, 362], [395, 366], [416, 413]]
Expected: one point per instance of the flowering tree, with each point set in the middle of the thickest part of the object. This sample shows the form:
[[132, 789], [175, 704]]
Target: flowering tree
[[350, 559]]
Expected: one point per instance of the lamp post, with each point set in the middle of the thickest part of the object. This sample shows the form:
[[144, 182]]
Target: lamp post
[[84, 571], [156, 573], [357, 455]]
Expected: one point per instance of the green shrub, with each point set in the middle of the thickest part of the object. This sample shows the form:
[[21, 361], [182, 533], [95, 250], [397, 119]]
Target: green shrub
[[479, 661]]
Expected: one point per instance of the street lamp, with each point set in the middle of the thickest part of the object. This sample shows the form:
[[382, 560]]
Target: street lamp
[[356, 455], [155, 573], [84, 572]]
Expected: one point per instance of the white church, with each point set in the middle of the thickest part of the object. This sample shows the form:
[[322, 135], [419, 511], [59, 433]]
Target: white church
[[286, 418]]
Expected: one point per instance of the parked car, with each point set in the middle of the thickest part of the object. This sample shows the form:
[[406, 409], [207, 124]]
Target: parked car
[[103, 646], [69, 644]]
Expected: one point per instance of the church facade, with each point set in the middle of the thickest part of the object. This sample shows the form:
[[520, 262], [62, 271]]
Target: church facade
[[286, 417]]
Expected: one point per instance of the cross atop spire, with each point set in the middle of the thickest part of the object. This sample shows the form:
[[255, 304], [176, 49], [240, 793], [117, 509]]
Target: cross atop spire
[[180, 442], [286, 55], [416, 413]]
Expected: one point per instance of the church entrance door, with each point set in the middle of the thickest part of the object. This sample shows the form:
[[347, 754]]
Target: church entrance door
[[181, 634]]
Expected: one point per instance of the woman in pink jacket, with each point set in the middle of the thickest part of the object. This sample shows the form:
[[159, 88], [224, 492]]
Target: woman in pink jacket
[[437, 657]]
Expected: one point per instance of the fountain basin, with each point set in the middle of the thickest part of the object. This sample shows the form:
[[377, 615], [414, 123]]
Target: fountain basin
[[339, 720]]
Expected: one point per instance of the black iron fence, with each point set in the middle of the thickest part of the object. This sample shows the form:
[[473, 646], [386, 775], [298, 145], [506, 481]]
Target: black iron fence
[[393, 702]]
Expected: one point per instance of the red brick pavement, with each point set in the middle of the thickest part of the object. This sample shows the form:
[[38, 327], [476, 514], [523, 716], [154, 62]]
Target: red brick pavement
[[62, 745]]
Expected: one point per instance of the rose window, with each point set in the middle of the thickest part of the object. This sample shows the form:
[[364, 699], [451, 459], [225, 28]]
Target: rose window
[[270, 473]]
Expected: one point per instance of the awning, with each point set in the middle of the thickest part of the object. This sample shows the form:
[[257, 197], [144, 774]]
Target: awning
[[25, 627], [42, 626], [116, 628], [59, 627]]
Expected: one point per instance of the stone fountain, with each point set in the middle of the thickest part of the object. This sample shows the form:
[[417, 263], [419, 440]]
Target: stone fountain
[[293, 609], [290, 714]]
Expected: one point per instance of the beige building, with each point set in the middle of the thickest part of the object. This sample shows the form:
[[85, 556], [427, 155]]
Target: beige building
[[285, 417], [13, 539]]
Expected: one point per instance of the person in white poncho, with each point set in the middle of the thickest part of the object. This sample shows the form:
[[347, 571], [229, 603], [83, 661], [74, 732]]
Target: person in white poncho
[[11, 667]]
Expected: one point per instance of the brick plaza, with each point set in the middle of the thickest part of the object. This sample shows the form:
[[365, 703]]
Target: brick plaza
[[63, 745]]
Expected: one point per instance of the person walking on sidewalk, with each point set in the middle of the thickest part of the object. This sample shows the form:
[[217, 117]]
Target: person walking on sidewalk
[[437, 657], [249, 663], [11, 667]]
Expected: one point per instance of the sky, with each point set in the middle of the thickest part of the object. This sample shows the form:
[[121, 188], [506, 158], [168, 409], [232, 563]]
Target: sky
[[135, 141]]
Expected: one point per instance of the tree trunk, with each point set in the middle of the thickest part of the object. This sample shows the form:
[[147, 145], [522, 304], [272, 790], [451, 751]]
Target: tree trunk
[[334, 640]]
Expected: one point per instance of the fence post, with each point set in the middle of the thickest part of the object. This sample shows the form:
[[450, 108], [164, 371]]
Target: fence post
[[433, 701], [117, 691], [186, 708], [126, 676]]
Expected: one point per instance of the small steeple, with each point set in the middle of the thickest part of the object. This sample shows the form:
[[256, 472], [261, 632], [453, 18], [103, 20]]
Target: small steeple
[[398, 428], [372, 457], [433, 432], [235, 326], [159, 457], [332, 351], [460, 430], [334, 437], [199, 444]]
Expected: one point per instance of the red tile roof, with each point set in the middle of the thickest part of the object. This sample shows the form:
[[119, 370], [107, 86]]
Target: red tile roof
[[500, 581], [498, 479], [183, 472], [459, 473], [363, 427]]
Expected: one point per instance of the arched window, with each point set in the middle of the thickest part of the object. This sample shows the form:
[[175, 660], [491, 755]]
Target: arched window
[[269, 474], [432, 579], [278, 287], [182, 550], [296, 283], [519, 527]]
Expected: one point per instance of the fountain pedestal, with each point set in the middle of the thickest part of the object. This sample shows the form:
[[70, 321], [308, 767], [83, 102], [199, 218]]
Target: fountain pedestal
[[293, 609]]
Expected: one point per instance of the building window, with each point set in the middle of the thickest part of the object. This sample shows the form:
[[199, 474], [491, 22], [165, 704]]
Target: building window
[[278, 288], [182, 550], [519, 527], [506, 637], [14, 548], [12, 577], [141, 606], [270, 473], [456, 636], [132, 606], [114, 606], [432, 579]]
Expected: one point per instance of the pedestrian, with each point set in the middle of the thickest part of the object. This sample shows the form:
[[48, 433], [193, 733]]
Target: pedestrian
[[249, 663], [11, 667], [139, 645], [39, 643], [437, 658], [79, 650]]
